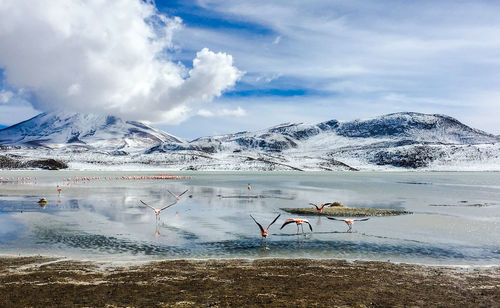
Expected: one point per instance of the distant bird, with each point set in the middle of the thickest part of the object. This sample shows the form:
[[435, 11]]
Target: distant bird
[[59, 189], [319, 208], [177, 196], [297, 222], [349, 222], [42, 202], [263, 231], [249, 187], [157, 211]]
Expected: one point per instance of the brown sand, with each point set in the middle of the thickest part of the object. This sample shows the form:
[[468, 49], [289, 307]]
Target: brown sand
[[42, 282]]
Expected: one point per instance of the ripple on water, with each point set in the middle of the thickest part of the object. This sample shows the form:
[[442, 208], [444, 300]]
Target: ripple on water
[[300, 245]]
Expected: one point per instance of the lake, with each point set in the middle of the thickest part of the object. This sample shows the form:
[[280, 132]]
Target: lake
[[455, 220]]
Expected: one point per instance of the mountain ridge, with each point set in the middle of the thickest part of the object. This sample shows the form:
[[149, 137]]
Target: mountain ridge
[[398, 140]]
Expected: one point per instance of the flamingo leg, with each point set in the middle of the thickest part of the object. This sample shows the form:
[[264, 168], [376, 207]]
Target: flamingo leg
[[297, 229], [302, 226]]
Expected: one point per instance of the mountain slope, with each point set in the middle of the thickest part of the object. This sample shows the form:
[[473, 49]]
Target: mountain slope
[[409, 140], [84, 132], [413, 127], [394, 141]]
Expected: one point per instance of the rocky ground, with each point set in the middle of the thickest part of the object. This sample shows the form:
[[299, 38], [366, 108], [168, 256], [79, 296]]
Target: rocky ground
[[42, 282]]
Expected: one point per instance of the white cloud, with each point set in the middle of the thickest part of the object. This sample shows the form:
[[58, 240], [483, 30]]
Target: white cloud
[[206, 113], [359, 53], [5, 96], [223, 112], [106, 57]]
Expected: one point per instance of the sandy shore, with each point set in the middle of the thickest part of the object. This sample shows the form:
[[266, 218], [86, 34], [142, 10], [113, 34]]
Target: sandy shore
[[40, 282]]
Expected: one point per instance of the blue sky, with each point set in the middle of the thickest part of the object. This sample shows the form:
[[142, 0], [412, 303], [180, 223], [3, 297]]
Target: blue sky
[[311, 61]]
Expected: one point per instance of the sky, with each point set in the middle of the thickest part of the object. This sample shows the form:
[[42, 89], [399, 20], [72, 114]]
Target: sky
[[207, 67]]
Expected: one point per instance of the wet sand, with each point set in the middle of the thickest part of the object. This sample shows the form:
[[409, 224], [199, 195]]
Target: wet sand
[[41, 282]]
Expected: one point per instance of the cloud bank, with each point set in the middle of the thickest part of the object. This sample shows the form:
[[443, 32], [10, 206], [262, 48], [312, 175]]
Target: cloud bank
[[358, 58], [105, 57]]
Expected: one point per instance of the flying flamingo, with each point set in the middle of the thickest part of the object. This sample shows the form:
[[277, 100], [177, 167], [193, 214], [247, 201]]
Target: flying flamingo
[[263, 231], [177, 196], [349, 222], [319, 208], [297, 222], [59, 189], [157, 211]]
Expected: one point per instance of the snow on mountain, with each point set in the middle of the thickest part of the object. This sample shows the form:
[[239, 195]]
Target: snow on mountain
[[394, 141], [409, 140], [83, 132]]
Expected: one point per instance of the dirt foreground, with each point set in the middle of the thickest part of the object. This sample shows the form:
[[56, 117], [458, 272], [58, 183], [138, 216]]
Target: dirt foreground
[[45, 282]]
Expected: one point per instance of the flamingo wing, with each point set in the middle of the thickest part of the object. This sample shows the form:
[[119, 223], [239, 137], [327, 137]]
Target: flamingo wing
[[333, 218], [148, 205], [364, 219], [183, 192], [172, 193], [258, 224], [168, 206], [286, 223], [314, 205], [325, 204], [273, 221], [310, 227]]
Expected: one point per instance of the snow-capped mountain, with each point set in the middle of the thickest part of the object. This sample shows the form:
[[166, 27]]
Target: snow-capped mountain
[[83, 132], [399, 140], [410, 140]]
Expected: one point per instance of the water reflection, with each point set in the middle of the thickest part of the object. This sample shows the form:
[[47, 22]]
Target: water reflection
[[106, 218]]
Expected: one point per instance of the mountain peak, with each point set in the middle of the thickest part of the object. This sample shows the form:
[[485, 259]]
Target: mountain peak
[[86, 131]]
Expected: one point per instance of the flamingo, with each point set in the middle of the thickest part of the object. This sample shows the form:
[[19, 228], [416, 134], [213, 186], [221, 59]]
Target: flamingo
[[249, 187], [319, 208], [297, 222], [59, 189], [263, 231], [177, 196], [157, 211], [349, 222]]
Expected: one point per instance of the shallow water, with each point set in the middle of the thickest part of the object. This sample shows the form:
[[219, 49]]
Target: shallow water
[[456, 216]]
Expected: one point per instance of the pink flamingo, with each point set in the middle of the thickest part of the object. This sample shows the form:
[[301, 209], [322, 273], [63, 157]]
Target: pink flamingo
[[349, 222], [263, 231], [297, 222], [177, 196], [319, 208], [157, 211]]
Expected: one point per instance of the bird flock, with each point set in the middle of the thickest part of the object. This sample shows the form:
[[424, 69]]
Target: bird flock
[[264, 232]]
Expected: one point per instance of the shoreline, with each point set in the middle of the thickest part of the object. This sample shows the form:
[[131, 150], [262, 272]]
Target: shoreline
[[141, 261], [41, 281]]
